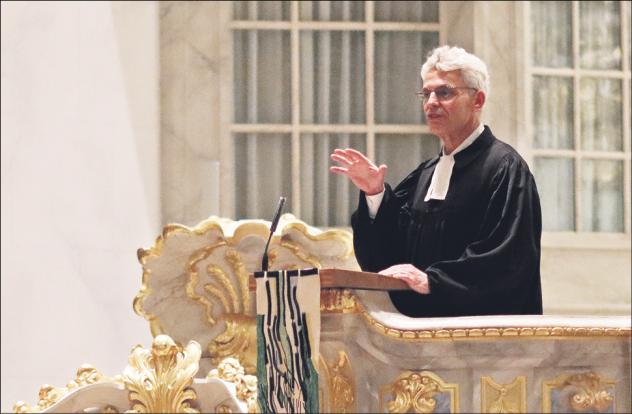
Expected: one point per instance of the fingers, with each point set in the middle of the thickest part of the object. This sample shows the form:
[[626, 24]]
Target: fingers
[[341, 159], [415, 278], [357, 155], [339, 170], [402, 271], [399, 268], [351, 156]]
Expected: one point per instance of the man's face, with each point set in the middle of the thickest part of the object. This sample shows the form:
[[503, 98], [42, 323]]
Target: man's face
[[457, 115]]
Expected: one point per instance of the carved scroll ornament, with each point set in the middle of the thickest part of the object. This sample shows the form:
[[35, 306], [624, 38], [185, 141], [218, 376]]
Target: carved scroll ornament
[[580, 392], [230, 370], [419, 392], [159, 380]]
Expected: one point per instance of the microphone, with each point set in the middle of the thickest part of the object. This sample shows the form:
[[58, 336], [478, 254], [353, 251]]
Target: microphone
[[273, 226]]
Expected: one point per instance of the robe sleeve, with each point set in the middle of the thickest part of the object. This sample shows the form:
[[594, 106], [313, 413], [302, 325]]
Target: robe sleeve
[[377, 242], [503, 262]]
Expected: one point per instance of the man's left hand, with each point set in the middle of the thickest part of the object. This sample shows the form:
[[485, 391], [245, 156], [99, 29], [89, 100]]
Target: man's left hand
[[416, 279]]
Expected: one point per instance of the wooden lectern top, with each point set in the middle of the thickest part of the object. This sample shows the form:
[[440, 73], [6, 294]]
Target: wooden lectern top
[[352, 279]]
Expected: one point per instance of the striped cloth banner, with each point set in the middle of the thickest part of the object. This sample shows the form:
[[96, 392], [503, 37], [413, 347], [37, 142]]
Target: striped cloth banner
[[288, 334]]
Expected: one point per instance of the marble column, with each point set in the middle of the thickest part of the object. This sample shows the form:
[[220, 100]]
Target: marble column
[[194, 55]]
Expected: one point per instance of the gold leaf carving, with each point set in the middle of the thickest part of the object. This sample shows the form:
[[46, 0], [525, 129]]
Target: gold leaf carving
[[239, 340], [234, 258], [154, 322], [485, 333], [155, 251], [230, 370], [417, 392], [159, 380], [338, 301], [504, 398], [298, 252], [341, 386], [194, 277], [344, 237], [22, 407], [586, 392], [49, 395]]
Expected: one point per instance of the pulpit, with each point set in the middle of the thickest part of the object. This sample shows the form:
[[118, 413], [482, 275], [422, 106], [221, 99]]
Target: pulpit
[[196, 296]]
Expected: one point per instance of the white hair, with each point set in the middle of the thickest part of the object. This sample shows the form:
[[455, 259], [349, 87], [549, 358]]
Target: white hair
[[448, 58]]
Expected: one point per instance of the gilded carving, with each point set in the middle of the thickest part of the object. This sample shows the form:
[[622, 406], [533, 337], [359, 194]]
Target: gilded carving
[[217, 276], [419, 392], [484, 333], [22, 407], [338, 301], [342, 236], [194, 277], [155, 251], [239, 340], [234, 258], [154, 322], [159, 380], [504, 398], [298, 252], [341, 385], [230, 370], [49, 395], [577, 393], [234, 298]]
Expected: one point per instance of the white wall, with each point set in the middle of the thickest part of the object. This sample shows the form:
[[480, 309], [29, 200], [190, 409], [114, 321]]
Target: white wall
[[80, 186]]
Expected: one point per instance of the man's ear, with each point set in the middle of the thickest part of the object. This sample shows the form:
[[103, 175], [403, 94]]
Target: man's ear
[[479, 100]]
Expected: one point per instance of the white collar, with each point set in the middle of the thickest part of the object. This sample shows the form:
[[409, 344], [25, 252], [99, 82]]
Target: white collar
[[467, 141], [440, 182]]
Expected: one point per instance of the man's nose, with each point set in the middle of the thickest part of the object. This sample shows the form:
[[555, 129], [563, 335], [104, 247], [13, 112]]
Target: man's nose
[[432, 99]]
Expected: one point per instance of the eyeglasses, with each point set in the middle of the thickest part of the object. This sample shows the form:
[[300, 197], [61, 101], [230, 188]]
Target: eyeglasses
[[442, 93]]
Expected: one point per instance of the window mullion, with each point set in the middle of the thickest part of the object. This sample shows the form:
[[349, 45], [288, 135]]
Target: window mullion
[[576, 114], [627, 184], [369, 81], [296, 109], [227, 168], [527, 111]]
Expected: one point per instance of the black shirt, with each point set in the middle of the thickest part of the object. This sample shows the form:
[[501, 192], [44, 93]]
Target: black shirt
[[480, 246]]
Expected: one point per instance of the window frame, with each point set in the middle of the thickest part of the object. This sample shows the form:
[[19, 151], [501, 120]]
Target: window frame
[[295, 128], [577, 238]]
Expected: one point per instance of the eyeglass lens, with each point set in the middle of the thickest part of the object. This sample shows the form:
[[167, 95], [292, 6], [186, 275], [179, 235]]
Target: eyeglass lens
[[442, 93]]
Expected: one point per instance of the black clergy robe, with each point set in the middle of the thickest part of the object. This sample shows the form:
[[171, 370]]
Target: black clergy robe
[[480, 246]]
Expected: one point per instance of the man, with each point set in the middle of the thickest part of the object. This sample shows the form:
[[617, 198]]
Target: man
[[463, 229]]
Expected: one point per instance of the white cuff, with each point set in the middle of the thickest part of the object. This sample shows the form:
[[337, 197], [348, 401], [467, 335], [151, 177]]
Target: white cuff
[[373, 202]]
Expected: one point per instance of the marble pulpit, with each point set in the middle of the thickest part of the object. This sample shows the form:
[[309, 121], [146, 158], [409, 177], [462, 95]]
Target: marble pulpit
[[194, 294]]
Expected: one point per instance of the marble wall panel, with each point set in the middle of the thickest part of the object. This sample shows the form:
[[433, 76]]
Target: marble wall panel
[[191, 42], [80, 186]]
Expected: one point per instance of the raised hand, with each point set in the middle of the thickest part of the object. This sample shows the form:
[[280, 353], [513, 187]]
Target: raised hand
[[359, 169]]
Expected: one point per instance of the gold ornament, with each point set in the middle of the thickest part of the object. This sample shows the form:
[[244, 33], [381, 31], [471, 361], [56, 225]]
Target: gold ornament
[[338, 301], [504, 398], [417, 391], [587, 392], [230, 370], [238, 340], [341, 386], [49, 395], [159, 380]]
